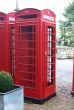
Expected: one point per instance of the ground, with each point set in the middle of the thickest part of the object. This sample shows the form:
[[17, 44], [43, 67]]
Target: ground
[[63, 100]]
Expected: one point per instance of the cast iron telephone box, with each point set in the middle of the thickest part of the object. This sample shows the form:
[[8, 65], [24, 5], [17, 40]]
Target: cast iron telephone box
[[35, 49], [6, 34], [2, 41], [72, 93]]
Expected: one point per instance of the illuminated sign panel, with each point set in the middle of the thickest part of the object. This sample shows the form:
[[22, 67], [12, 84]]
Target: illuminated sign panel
[[11, 19], [48, 17]]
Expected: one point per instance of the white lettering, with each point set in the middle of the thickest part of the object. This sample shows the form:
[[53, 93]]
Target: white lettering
[[48, 17], [11, 19]]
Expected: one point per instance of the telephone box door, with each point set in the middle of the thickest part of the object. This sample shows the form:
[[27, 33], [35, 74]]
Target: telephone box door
[[26, 71], [49, 59]]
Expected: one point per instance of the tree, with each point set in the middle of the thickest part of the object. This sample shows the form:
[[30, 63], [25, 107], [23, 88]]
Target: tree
[[64, 27], [67, 27], [69, 12]]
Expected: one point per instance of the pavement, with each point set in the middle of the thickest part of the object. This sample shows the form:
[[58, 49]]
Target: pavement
[[64, 70]]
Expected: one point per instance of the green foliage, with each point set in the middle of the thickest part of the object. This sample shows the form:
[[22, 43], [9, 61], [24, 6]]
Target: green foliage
[[6, 81], [67, 27]]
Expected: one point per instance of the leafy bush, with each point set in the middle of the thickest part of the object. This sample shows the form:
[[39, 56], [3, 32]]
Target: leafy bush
[[6, 81]]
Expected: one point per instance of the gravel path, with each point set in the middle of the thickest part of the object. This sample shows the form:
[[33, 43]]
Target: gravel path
[[62, 101]]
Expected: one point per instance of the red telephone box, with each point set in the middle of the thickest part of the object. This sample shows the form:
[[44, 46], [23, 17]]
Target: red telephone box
[[72, 93], [2, 41], [6, 34], [35, 49]]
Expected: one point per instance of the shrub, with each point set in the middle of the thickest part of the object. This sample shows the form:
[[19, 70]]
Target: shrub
[[6, 81]]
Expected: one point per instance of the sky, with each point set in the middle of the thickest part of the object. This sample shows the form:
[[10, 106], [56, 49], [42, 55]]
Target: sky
[[57, 6]]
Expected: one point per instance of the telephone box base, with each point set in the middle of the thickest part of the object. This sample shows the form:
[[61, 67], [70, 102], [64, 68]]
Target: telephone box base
[[39, 101]]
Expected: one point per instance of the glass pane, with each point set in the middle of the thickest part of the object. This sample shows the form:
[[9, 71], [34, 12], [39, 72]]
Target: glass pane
[[27, 55], [50, 57], [12, 45]]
